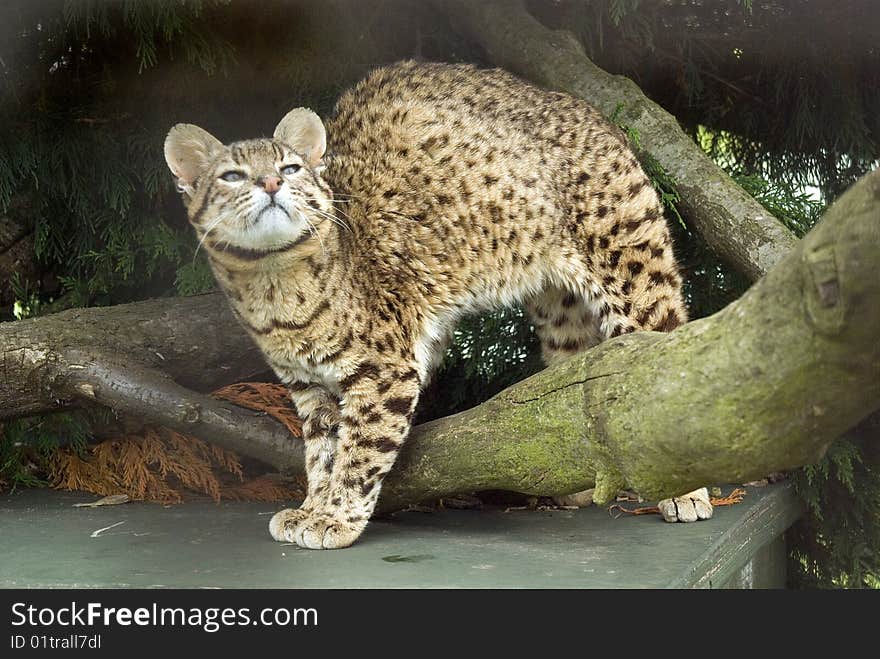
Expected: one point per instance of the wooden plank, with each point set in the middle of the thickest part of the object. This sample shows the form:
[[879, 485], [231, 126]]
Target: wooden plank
[[766, 568], [46, 542], [764, 522]]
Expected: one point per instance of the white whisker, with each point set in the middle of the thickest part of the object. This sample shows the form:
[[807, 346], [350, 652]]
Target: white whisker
[[336, 220], [313, 230], [211, 227], [332, 218]]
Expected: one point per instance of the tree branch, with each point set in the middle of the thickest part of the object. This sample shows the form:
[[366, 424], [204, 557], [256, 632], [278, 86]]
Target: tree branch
[[196, 341], [154, 397]]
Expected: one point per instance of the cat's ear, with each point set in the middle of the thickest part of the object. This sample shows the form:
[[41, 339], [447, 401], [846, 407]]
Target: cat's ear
[[302, 129], [188, 151]]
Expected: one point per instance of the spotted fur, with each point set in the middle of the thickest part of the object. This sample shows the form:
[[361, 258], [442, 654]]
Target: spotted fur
[[444, 190]]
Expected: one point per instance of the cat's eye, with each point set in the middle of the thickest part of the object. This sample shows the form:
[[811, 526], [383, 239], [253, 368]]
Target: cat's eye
[[290, 170], [233, 176]]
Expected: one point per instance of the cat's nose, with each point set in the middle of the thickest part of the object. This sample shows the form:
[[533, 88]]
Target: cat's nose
[[270, 184]]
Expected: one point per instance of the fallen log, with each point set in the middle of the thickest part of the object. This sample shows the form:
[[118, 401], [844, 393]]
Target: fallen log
[[195, 341]]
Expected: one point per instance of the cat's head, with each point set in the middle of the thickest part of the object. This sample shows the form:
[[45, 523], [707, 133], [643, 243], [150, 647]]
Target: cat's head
[[258, 195]]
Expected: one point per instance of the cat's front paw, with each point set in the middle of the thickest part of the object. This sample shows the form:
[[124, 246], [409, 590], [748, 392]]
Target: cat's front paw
[[284, 521], [314, 530], [324, 531]]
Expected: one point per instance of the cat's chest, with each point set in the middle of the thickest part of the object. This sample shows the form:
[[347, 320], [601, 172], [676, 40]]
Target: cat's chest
[[298, 358], [298, 344], [295, 369]]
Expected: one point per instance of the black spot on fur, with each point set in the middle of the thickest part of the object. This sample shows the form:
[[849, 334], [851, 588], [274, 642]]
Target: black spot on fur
[[670, 322], [365, 370], [658, 277], [343, 346], [383, 445], [646, 314], [652, 215], [401, 405]]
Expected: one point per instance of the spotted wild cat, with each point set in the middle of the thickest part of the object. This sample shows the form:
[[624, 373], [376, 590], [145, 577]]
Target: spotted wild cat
[[435, 191]]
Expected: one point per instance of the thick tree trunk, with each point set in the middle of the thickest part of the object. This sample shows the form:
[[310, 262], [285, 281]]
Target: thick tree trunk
[[196, 341], [732, 223]]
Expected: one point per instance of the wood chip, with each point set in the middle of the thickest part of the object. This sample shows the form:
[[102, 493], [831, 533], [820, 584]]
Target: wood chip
[[110, 500]]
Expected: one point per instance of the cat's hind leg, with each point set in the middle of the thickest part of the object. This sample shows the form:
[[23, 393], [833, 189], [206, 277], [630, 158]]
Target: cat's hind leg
[[571, 321], [690, 507], [567, 322]]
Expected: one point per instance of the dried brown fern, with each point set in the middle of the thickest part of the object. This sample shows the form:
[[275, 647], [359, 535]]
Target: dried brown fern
[[273, 399], [159, 464], [262, 488]]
